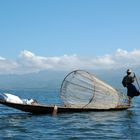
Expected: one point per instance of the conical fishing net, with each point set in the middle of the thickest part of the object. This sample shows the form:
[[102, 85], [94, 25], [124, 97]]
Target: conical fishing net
[[82, 89]]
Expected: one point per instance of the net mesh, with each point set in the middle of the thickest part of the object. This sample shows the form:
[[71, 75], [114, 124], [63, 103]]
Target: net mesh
[[84, 90]]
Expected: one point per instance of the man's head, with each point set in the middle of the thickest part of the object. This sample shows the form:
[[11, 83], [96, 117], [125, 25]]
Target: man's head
[[129, 71]]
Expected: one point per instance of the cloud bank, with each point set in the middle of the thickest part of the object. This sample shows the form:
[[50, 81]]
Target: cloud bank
[[28, 62]]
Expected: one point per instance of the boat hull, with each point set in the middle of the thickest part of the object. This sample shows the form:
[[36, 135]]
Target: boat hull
[[44, 109]]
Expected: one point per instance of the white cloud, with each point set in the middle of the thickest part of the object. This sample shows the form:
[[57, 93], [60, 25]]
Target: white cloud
[[103, 62], [125, 59], [8, 66], [2, 58], [28, 62]]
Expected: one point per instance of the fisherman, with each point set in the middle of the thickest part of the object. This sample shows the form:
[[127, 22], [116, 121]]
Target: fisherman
[[127, 82]]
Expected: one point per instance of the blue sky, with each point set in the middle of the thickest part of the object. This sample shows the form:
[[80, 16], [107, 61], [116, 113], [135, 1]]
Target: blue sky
[[55, 28]]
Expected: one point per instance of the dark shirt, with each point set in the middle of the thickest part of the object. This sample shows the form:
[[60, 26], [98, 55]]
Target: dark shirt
[[128, 79]]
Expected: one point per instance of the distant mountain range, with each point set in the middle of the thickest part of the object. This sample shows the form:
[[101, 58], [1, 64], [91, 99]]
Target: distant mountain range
[[41, 80], [53, 79]]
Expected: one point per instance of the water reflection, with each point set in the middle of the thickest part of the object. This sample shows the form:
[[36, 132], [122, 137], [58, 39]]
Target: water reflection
[[132, 124], [14, 118], [13, 124]]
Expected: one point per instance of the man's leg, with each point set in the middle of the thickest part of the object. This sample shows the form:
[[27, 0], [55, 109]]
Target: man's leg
[[129, 100]]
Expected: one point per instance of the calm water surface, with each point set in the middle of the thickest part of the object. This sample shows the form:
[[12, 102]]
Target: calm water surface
[[17, 125]]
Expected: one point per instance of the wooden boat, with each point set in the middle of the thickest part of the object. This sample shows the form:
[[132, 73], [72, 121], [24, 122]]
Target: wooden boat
[[44, 109], [79, 88]]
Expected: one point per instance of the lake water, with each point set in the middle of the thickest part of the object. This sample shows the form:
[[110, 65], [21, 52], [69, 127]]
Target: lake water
[[17, 125]]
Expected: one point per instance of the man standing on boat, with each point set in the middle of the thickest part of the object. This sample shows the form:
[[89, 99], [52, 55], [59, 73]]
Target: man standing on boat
[[127, 82]]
